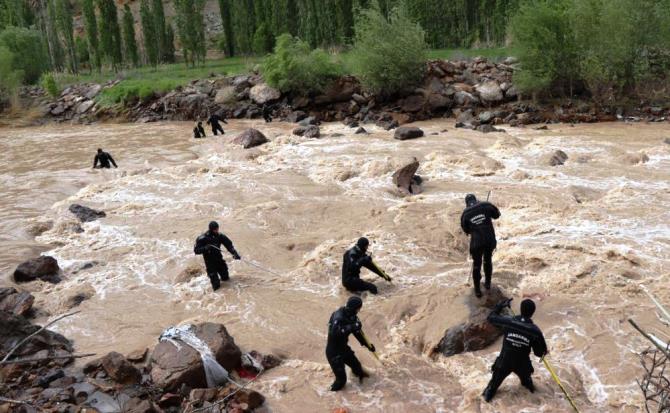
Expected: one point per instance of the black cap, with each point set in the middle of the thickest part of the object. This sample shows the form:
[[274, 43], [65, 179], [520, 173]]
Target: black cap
[[470, 199], [527, 308], [99, 150], [362, 243], [354, 303], [213, 225]]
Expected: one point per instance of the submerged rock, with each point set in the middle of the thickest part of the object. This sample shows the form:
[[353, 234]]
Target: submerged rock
[[17, 303], [250, 138], [44, 268], [556, 158], [406, 180], [310, 131], [476, 332], [407, 132], [86, 214]]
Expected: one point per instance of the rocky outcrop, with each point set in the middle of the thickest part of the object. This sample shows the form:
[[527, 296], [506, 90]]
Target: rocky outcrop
[[263, 94], [41, 268], [15, 328], [171, 366], [17, 303], [86, 214], [476, 332], [310, 131], [250, 138], [119, 369], [404, 133], [406, 180]]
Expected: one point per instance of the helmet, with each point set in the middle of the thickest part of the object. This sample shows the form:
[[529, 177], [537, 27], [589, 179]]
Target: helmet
[[354, 303], [213, 225], [527, 308], [470, 199]]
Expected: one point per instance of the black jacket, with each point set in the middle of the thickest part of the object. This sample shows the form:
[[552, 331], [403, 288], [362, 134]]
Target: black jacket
[[215, 119], [476, 221], [342, 323], [520, 336], [103, 158], [354, 259], [208, 238]]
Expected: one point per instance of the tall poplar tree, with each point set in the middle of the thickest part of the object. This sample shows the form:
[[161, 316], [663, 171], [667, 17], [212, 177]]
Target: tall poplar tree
[[66, 30], [129, 41], [110, 34], [91, 28], [149, 35]]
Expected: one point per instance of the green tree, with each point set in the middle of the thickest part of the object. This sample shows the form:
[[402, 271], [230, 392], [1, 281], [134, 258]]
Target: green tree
[[191, 29], [160, 28], [149, 35], [263, 40], [56, 55], [83, 55], [28, 56], [91, 28], [10, 78], [293, 67], [169, 44], [228, 43], [389, 54], [129, 36], [66, 29], [545, 43], [110, 34]]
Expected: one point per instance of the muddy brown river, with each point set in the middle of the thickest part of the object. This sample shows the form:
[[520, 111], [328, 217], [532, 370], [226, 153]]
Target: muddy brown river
[[582, 239]]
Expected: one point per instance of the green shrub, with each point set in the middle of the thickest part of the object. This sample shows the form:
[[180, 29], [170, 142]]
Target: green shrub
[[26, 46], [130, 91], [48, 82], [10, 78], [389, 54], [293, 67]]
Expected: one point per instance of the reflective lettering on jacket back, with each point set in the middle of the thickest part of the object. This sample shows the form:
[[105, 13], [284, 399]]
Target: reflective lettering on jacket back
[[478, 219]]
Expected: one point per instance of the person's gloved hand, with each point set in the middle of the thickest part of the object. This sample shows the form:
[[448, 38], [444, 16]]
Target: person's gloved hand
[[372, 348], [237, 256], [503, 304]]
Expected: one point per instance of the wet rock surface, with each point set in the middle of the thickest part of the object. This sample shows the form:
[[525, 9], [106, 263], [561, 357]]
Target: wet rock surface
[[86, 214], [250, 138], [476, 332], [41, 268]]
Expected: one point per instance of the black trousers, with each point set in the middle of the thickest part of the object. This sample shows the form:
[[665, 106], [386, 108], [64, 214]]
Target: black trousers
[[484, 254], [337, 363], [267, 118], [216, 127], [501, 369], [216, 269], [358, 285]]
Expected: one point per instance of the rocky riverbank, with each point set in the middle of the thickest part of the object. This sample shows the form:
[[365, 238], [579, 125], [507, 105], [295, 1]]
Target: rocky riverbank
[[39, 373], [480, 90]]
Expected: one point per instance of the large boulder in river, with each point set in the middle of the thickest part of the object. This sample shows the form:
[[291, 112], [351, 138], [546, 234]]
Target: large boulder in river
[[173, 366], [556, 158], [406, 180], [407, 132], [263, 93], [44, 268], [86, 214], [476, 332], [310, 131], [12, 301], [250, 138]]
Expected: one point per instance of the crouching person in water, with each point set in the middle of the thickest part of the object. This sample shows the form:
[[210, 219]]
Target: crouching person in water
[[343, 322], [209, 246], [354, 259], [199, 131], [520, 336]]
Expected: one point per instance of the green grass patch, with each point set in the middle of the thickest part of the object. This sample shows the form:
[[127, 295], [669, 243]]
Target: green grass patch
[[133, 90]]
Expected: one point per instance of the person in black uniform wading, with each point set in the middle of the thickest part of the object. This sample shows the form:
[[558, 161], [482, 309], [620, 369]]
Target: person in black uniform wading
[[199, 131], [102, 160], [216, 126], [343, 322], [476, 221], [209, 245], [520, 336], [354, 259]]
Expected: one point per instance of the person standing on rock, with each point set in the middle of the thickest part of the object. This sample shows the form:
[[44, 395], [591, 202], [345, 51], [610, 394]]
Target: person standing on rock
[[216, 126], [343, 322], [199, 131], [354, 259], [476, 221], [102, 160], [520, 336], [209, 245]]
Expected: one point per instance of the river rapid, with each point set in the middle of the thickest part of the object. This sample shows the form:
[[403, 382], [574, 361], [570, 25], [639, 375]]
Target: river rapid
[[581, 239]]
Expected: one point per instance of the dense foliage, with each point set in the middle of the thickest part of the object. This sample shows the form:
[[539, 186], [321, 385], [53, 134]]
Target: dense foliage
[[389, 52], [610, 48], [27, 52], [294, 67]]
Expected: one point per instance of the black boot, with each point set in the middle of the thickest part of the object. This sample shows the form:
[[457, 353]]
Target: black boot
[[478, 291], [337, 386], [529, 385], [362, 375], [487, 283], [488, 394]]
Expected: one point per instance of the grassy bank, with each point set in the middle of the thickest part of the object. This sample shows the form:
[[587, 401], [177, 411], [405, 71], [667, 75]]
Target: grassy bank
[[141, 83]]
